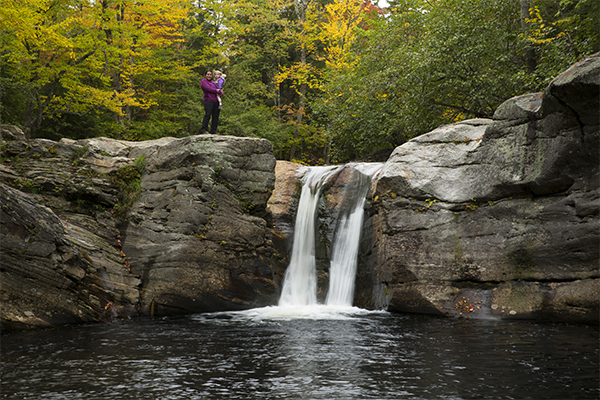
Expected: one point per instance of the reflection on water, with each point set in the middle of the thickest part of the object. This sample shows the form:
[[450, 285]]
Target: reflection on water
[[303, 354]]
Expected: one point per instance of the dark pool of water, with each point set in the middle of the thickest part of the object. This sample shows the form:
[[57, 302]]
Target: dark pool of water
[[373, 356]]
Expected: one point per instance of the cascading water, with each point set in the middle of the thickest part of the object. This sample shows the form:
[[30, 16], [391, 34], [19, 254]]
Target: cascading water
[[300, 281], [299, 293], [344, 256], [299, 288]]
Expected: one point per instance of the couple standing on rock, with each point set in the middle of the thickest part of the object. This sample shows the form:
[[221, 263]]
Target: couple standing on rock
[[212, 87]]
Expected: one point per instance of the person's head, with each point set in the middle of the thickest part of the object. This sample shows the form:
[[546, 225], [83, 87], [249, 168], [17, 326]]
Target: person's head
[[209, 75], [217, 74]]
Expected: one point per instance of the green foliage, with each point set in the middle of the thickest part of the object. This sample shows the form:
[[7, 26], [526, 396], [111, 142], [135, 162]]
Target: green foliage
[[561, 33], [78, 153], [259, 44], [98, 68], [26, 185], [432, 63], [324, 80], [140, 164], [128, 179], [421, 68]]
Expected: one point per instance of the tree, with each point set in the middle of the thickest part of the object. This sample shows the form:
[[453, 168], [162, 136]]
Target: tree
[[309, 75], [256, 43], [338, 31], [77, 57], [343, 19], [427, 64], [530, 60], [302, 73], [47, 40], [561, 32]]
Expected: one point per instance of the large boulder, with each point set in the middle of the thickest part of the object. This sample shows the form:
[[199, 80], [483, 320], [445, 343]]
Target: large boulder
[[439, 165], [496, 218], [98, 229], [197, 234]]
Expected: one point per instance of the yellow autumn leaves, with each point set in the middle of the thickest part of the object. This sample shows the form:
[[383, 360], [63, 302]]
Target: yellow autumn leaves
[[81, 55], [335, 28]]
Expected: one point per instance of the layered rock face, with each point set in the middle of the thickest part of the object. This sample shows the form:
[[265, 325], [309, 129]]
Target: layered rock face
[[197, 235], [496, 218], [59, 270], [100, 229]]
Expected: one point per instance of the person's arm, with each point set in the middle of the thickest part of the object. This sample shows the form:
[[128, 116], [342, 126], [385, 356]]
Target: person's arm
[[207, 87]]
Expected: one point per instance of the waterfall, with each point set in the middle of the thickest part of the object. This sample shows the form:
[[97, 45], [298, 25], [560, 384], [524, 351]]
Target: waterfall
[[299, 287], [300, 281], [344, 256]]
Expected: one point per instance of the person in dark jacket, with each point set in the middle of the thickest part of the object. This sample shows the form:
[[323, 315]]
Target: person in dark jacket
[[211, 103]]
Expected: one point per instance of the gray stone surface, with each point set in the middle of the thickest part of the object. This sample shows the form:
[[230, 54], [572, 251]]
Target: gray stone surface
[[496, 218], [194, 237], [197, 234], [58, 270]]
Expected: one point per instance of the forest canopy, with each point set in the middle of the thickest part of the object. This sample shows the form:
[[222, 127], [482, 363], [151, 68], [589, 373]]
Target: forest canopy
[[326, 81]]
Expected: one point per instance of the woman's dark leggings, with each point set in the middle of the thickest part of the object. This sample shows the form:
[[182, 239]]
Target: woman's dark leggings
[[211, 109]]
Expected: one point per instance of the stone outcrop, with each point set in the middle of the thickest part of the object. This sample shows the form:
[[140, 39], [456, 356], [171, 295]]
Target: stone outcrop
[[57, 270], [486, 218], [496, 218], [98, 229], [197, 234]]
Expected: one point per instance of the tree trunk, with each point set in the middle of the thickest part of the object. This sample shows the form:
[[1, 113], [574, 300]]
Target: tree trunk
[[529, 55], [568, 31], [301, 105], [301, 7], [117, 73]]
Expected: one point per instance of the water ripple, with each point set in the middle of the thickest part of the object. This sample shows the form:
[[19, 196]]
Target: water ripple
[[259, 355]]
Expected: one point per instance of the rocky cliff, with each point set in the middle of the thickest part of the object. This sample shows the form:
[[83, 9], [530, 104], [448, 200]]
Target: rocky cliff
[[100, 229]]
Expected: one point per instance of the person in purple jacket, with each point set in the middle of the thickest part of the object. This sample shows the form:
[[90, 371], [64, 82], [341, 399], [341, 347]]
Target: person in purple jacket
[[211, 103]]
